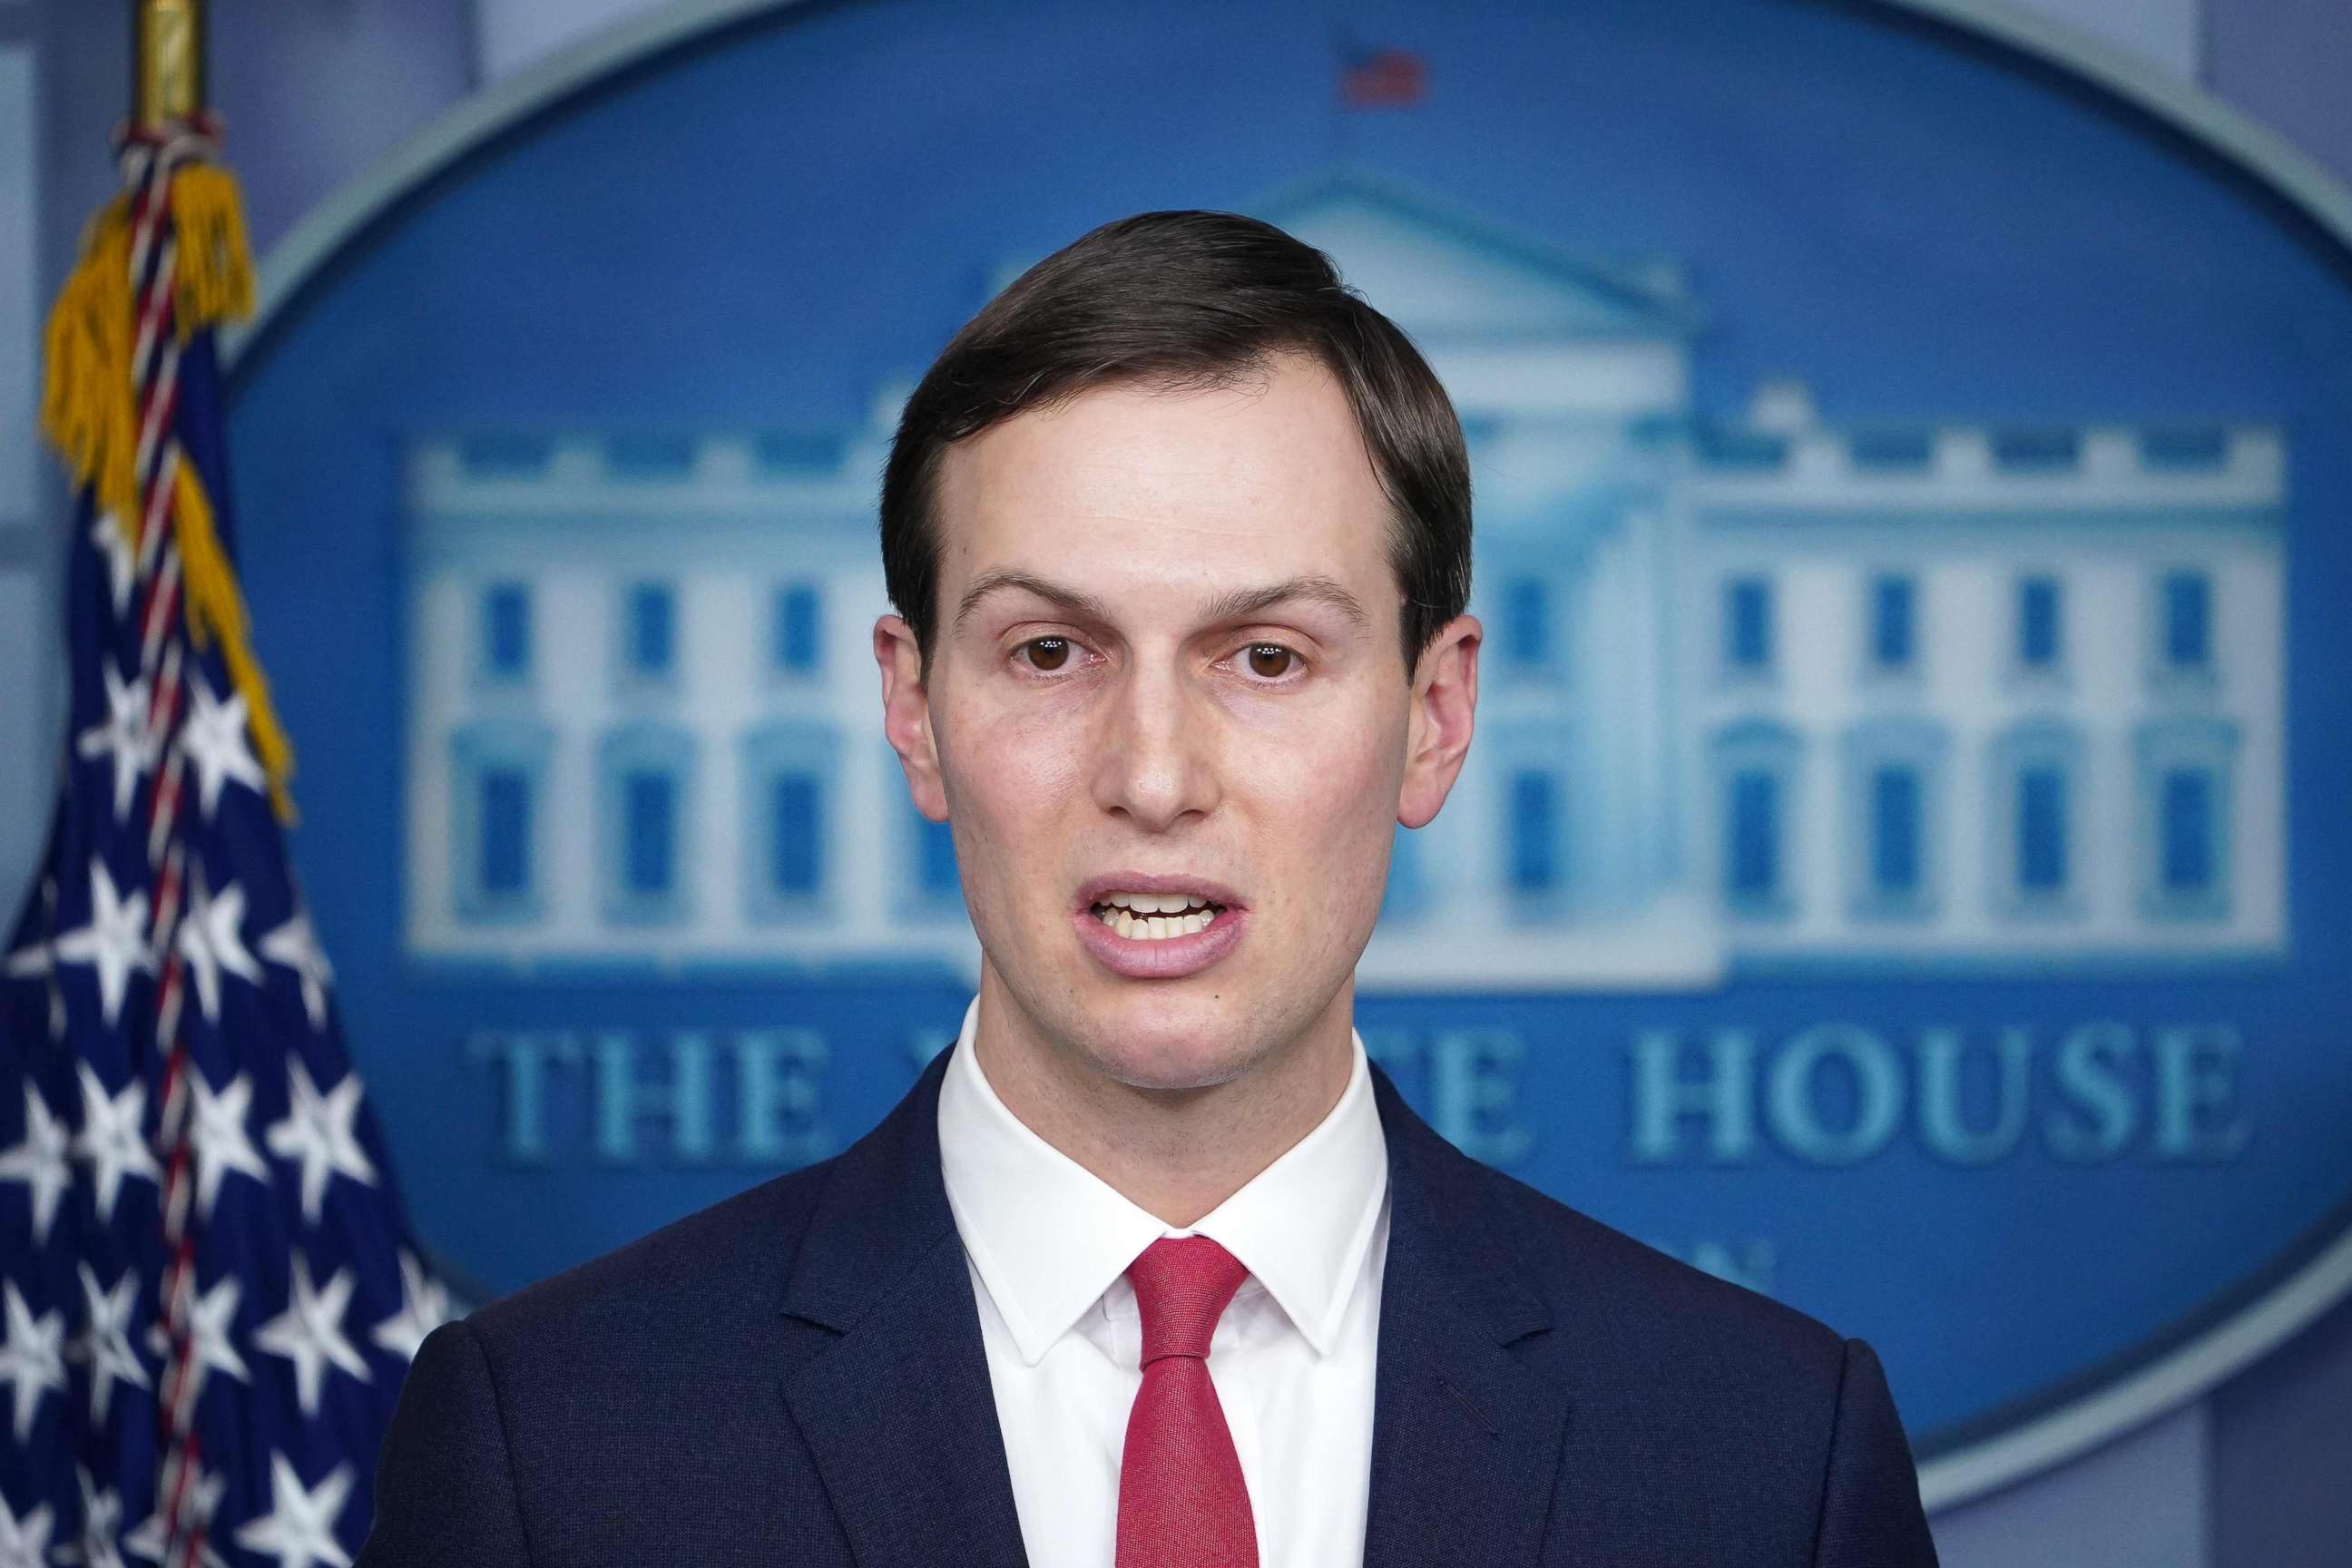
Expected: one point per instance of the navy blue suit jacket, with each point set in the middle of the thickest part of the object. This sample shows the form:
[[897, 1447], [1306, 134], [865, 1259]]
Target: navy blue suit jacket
[[796, 1378]]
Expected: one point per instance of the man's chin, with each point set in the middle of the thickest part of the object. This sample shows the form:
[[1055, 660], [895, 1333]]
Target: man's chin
[[1156, 1042], [1173, 1070]]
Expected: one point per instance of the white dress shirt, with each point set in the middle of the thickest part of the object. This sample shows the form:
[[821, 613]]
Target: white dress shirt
[[1048, 1243]]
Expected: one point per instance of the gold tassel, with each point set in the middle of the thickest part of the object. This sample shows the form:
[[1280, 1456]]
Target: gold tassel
[[215, 608], [89, 408], [214, 281], [87, 411]]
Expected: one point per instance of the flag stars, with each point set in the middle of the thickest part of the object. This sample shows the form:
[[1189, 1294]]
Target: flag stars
[[211, 941], [112, 1137], [114, 943], [217, 1135], [101, 1521], [299, 1527], [113, 543], [38, 960], [424, 1307], [105, 1341], [123, 736], [309, 1333], [295, 946], [39, 1162], [25, 1542], [317, 1134], [150, 1540], [215, 738], [211, 1343], [32, 1356]]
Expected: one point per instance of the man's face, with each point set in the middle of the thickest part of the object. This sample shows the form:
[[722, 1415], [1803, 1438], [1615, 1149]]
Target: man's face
[[1113, 701]]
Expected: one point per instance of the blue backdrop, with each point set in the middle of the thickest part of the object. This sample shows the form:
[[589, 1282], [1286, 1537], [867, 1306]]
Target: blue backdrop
[[763, 232]]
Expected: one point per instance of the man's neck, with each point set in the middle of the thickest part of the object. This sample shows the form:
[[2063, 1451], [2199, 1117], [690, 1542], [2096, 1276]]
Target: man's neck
[[1174, 1153]]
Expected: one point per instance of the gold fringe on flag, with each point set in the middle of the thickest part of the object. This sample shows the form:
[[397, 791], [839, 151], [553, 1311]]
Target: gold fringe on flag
[[215, 609], [88, 411], [215, 279]]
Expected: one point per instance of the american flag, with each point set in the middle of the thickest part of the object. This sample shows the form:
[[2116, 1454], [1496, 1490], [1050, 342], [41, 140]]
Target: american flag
[[208, 1295], [1382, 79]]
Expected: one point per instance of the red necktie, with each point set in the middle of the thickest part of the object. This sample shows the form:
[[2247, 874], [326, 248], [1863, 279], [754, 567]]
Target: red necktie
[[1182, 1500]]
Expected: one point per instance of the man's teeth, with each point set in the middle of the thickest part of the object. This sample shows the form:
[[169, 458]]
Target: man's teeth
[[1154, 916]]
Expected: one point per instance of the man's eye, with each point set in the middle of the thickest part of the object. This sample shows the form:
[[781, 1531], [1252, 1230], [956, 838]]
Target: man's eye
[[1271, 660], [1045, 653]]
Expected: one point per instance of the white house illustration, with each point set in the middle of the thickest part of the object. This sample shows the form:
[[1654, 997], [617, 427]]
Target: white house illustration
[[1780, 692]]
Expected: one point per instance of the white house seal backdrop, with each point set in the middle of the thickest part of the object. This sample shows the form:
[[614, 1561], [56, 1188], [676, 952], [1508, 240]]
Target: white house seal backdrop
[[1886, 873]]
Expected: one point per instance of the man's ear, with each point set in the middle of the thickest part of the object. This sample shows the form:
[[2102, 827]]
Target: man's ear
[[907, 715], [1437, 730]]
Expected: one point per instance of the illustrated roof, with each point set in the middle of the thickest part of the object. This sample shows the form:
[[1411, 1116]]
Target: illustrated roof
[[1439, 273]]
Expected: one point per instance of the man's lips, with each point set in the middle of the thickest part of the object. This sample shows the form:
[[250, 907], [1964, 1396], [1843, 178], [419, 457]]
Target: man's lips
[[1094, 889], [1159, 958], [1164, 957]]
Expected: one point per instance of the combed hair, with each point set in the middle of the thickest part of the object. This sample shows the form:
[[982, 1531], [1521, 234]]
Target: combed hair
[[1194, 300]]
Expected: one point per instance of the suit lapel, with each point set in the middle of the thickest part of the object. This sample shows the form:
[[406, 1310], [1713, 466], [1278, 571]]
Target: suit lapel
[[897, 1408], [899, 1412], [1466, 1441]]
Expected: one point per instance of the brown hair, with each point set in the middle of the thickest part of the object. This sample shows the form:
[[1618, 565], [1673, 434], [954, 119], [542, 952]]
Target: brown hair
[[1195, 300]]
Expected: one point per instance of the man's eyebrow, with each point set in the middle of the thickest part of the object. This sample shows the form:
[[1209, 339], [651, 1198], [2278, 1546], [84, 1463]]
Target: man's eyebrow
[[1084, 605], [1244, 602], [1236, 604]]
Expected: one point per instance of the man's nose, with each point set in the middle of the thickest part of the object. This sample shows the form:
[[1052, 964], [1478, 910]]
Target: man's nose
[[1156, 761]]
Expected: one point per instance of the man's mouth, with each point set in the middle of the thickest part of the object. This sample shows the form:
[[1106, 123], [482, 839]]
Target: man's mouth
[[1155, 917]]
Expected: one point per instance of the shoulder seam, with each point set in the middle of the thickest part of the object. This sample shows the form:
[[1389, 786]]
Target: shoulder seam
[[506, 1433], [1829, 1458]]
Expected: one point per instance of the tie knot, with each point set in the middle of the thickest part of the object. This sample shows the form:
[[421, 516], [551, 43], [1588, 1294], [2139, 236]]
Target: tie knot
[[1182, 1284]]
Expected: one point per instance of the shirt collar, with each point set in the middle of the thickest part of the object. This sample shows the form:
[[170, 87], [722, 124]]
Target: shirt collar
[[1048, 1237]]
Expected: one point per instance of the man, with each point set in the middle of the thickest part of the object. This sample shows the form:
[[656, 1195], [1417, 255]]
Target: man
[[1152, 1267]]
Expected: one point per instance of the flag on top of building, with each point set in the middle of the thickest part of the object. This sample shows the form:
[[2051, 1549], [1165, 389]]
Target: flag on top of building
[[1380, 77], [208, 1294]]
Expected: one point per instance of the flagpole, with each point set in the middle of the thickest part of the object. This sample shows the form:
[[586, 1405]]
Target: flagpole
[[167, 101], [168, 68]]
